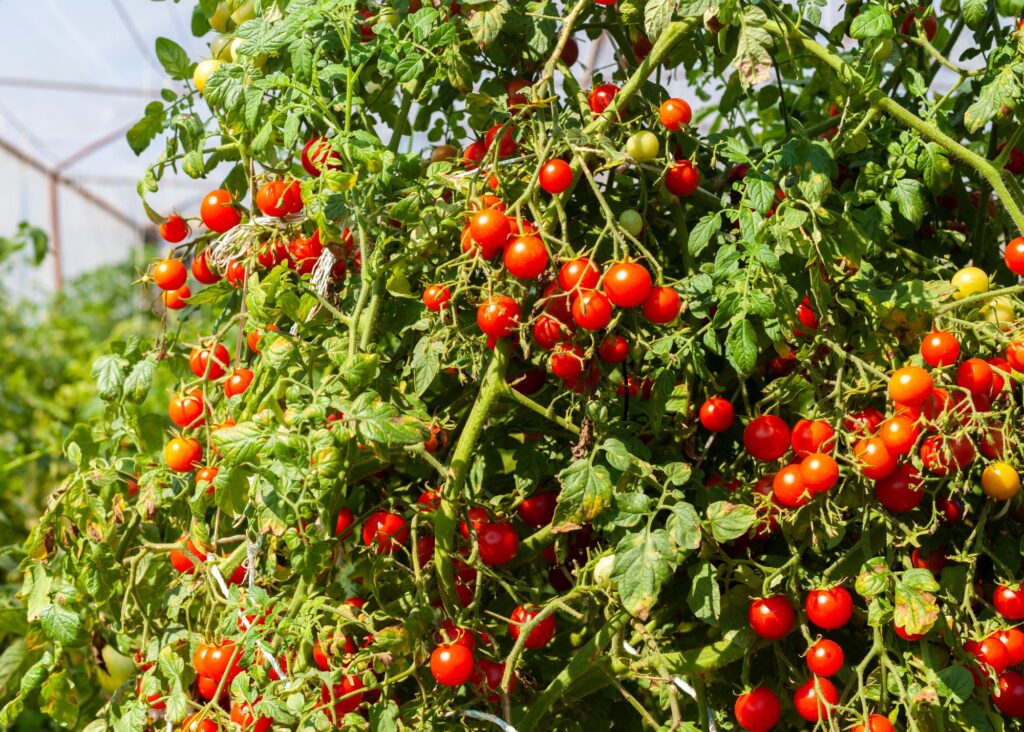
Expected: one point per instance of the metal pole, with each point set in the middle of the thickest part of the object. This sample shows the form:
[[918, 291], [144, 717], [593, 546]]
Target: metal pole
[[58, 269]]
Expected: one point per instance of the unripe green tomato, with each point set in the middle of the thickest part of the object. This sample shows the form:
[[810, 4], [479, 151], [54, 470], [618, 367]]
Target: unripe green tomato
[[246, 11], [578, 638], [643, 146], [119, 669], [389, 16], [290, 417], [631, 221], [883, 50], [203, 71], [597, 411], [220, 48], [220, 17], [603, 569]]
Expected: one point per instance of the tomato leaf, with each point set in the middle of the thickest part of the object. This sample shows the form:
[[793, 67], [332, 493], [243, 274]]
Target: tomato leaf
[[974, 12], [907, 193], [1004, 89], [705, 598], [741, 346], [730, 521], [140, 380], [657, 16], [109, 372], [955, 683], [487, 20], [60, 624], [58, 699], [241, 443], [586, 493], [174, 59], [753, 61], [873, 21], [702, 233], [683, 526], [643, 562], [378, 421], [143, 132]]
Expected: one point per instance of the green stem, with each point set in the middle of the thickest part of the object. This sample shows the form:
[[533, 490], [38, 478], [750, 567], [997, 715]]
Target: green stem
[[446, 516], [579, 664], [980, 297]]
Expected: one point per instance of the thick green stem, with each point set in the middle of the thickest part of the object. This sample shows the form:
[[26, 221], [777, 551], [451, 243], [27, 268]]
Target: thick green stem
[[892, 108], [446, 517]]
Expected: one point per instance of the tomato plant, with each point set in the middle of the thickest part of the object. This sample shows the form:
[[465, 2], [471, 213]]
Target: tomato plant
[[776, 323]]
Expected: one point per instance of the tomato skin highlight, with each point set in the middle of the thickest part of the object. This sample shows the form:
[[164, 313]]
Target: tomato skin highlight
[[578, 273], [1009, 602]]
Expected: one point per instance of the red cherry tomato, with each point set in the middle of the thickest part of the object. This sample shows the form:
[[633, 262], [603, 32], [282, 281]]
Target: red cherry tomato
[[541, 634], [627, 284], [201, 269], [591, 310], [662, 305], [490, 229], [238, 382], [451, 664], [811, 436], [976, 376], [170, 274], [1014, 255], [497, 543], [436, 297], [910, 385], [758, 710], [526, 257], [174, 229], [940, 348], [819, 472], [318, 156], [825, 658], [1013, 641], [498, 316], [578, 273], [717, 414], [1009, 602], [218, 212], [900, 491], [1009, 699], [815, 699], [829, 608], [682, 179], [771, 617], [601, 96], [873, 458], [675, 113], [556, 176], [874, 723], [613, 349], [766, 438], [385, 532]]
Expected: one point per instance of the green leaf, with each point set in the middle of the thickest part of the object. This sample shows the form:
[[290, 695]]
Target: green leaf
[[60, 624], [241, 443], [487, 21], [12, 659], [109, 373], [696, 7], [617, 453], [142, 133], [741, 347], [173, 58], [705, 598], [955, 682], [657, 16], [59, 700], [874, 578], [378, 421], [1005, 88], [934, 167], [730, 521], [702, 233], [642, 564], [225, 88], [261, 37], [683, 526], [973, 12], [752, 60], [760, 191], [586, 493], [908, 195], [139, 380], [384, 716], [873, 21]]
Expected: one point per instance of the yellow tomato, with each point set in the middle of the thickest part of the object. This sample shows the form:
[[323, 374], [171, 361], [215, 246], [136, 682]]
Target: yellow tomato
[[1000, 481], [999, 310], [220, 17], [969, 281], [203, 71], [246, 11], [220, 48]]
